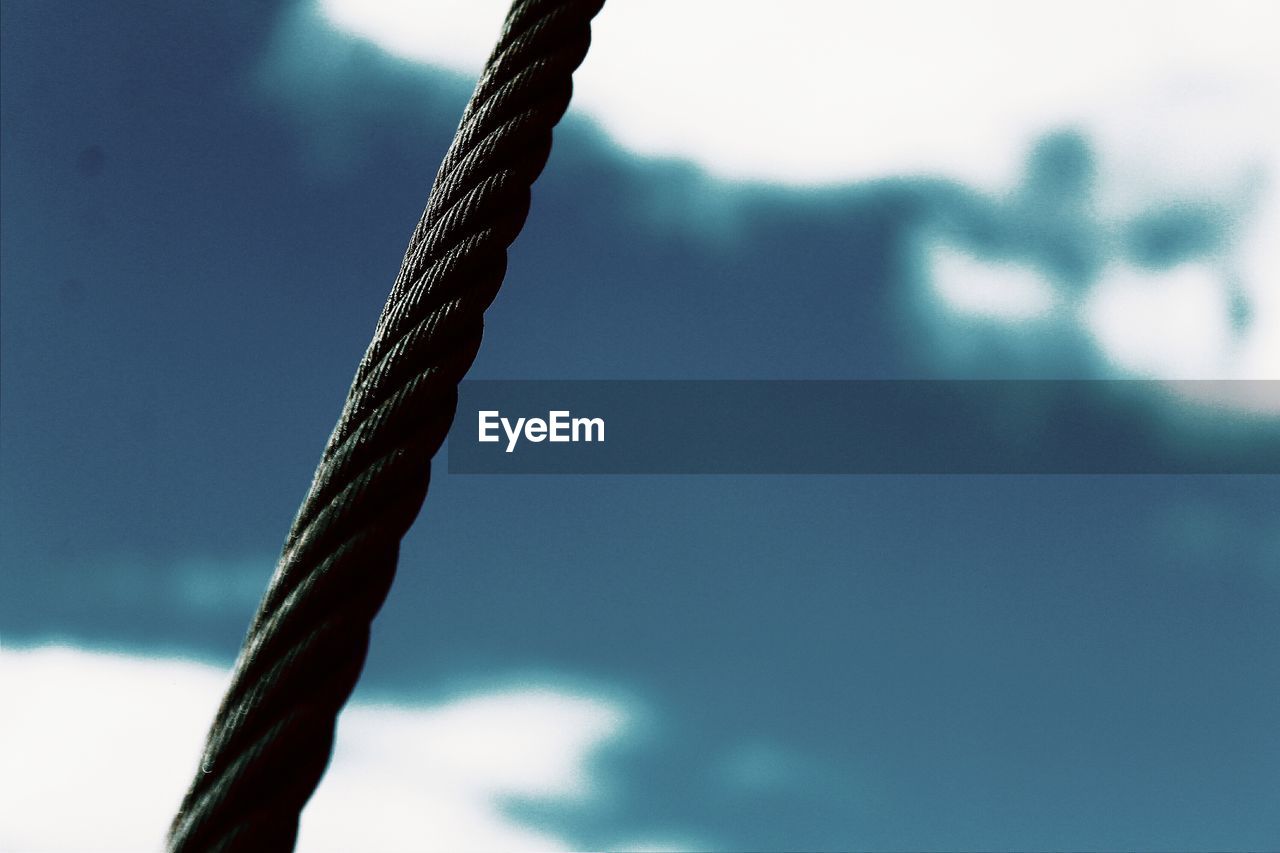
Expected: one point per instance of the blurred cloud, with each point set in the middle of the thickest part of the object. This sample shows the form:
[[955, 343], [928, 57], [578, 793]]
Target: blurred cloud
[[1174, 324], [1001, 290], [119, 735], [1178, 283], [1120, 158], [827, 91]]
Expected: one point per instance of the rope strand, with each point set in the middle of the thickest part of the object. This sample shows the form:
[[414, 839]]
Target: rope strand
[[273, 734]]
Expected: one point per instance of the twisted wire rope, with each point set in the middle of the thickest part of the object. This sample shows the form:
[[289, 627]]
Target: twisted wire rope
[[273, 734]]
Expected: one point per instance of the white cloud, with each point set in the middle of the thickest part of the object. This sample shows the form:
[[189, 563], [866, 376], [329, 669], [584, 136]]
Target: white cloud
[[1170, 325], [1201, 154], [1001, 291], [1178, 99], [112, 739], [818, 91]]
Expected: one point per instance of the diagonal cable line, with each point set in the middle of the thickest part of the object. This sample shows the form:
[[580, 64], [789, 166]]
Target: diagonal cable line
[[271, 739]]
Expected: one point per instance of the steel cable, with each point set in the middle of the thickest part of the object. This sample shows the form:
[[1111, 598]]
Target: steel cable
[[271, 739]]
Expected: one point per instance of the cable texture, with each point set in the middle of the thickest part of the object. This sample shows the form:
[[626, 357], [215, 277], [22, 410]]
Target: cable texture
[[273, 734]]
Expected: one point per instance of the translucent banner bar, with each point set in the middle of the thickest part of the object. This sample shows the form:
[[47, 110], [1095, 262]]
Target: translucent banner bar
[[866, 427]]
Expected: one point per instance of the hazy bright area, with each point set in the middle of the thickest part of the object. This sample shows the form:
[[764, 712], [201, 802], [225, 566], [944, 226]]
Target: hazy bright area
[[204, 207]]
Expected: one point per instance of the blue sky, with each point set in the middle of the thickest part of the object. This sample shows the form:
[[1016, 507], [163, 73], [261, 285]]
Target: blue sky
[[203, 212]]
